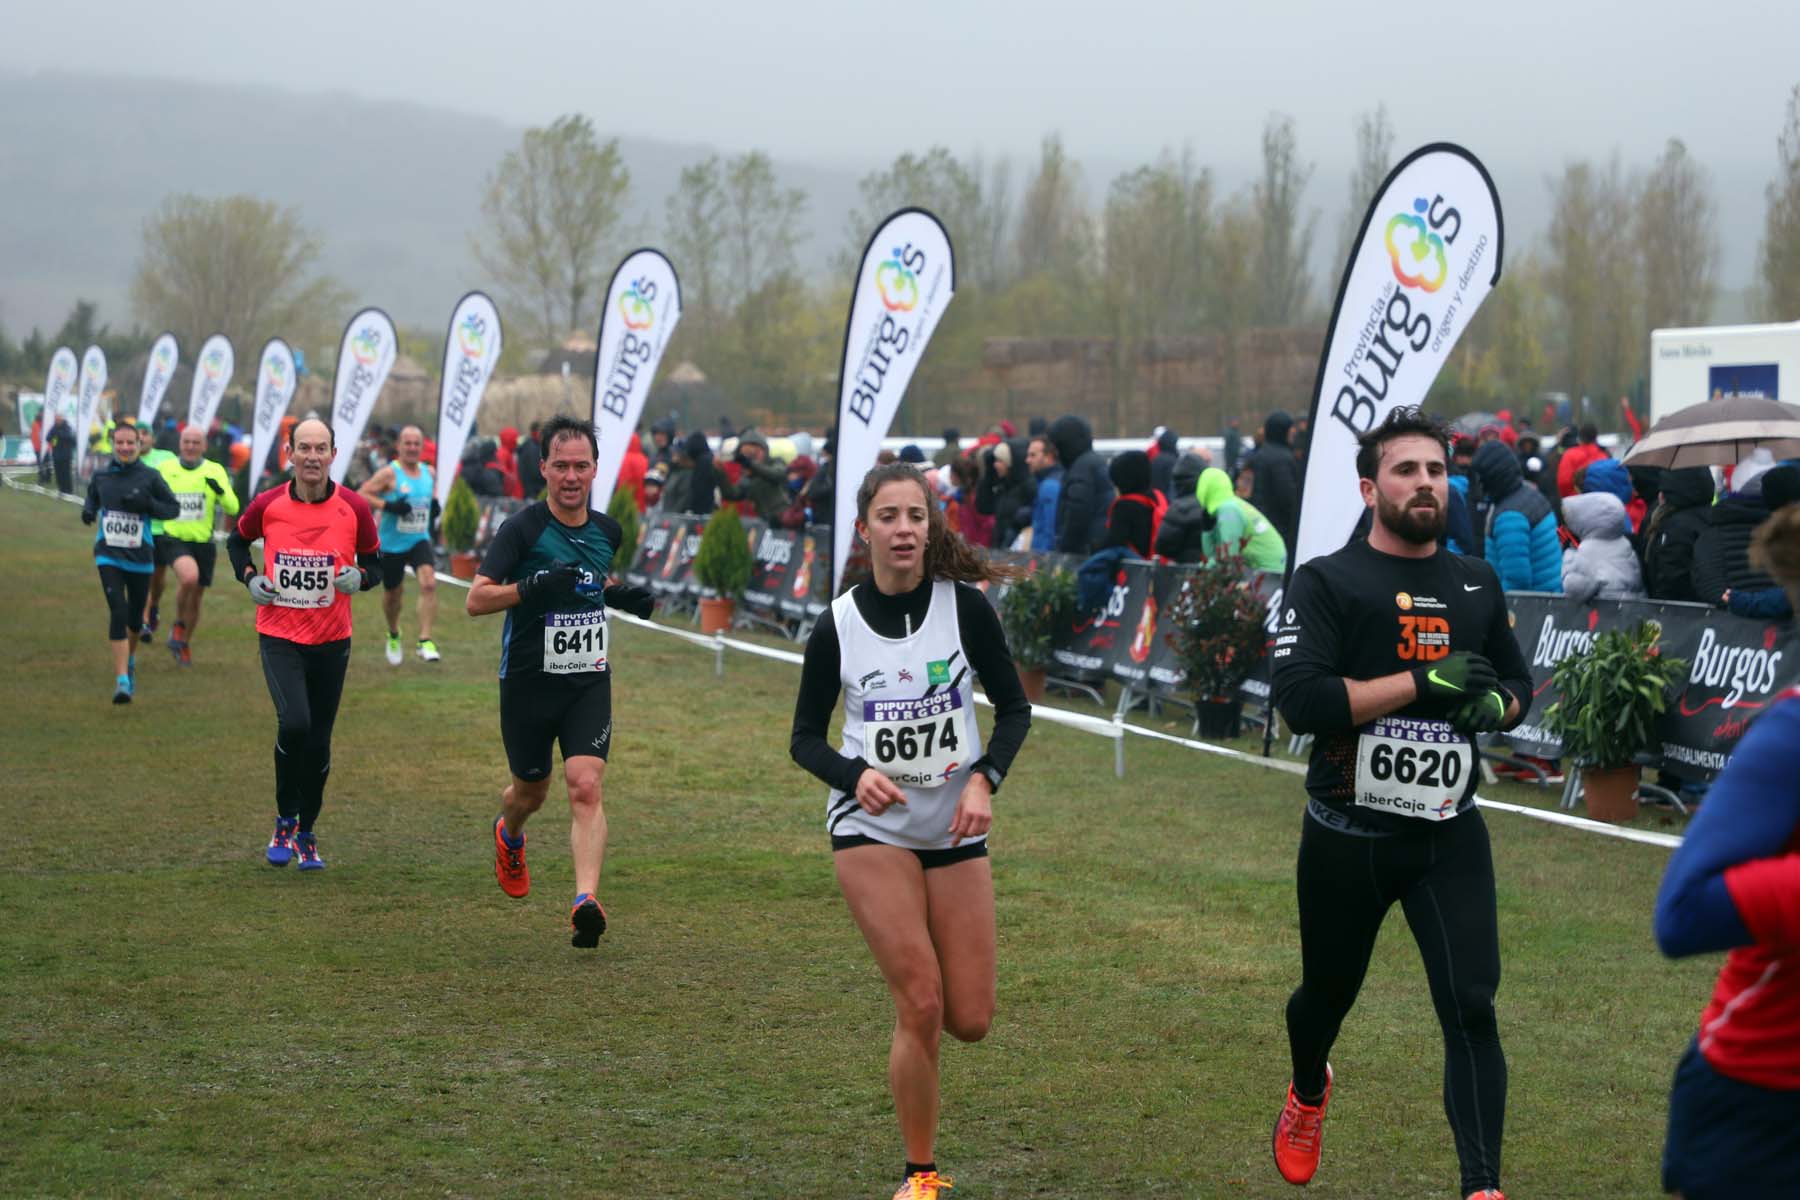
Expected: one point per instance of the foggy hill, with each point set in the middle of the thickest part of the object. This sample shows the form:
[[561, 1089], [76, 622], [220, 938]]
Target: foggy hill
[[392, 189]]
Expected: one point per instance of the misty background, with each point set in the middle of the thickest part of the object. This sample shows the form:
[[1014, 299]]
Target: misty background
[[379, 125]]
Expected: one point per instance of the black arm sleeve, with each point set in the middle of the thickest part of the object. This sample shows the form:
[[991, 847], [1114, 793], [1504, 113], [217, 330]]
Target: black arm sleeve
[[985, 643], [1309, 685], [163, 504], [1502, 649], [819, 686], [237, 549], [90, 509]]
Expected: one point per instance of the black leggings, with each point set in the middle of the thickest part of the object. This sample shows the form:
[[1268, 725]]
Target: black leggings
[[1443, 877], [306, 683], [125, 594]]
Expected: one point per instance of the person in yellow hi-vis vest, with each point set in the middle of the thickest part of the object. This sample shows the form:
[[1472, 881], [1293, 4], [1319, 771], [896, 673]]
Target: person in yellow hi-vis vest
[[185, 544]]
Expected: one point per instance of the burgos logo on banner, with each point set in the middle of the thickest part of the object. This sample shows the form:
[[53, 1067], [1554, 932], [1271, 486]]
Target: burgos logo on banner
[[898, 286], [366, 346], [1416, 251], [634, 304], [213, 364], [471, 335]]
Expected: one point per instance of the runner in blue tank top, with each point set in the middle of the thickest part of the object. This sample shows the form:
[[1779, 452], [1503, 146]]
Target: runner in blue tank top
[[402, 495]]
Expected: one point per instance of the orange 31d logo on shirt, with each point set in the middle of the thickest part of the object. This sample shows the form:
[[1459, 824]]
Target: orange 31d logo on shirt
[[1423, 639]]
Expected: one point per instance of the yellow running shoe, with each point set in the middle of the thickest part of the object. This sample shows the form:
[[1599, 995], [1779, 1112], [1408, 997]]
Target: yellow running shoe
[[923, 1185]]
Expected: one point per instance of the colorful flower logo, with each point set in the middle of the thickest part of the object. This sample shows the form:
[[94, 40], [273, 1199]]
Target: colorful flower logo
[[277, 372], [471, 336], [635, 309], [1416, 252], [213, 363], [898, 286], [366, 346], [165, 354]]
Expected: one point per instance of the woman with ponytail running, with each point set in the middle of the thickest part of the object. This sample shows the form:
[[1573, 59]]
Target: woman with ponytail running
[[911, 789]]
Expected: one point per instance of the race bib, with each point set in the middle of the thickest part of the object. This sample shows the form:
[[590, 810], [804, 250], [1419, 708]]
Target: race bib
[[193, 506], [916, 742], [122, 530], [1412, 767], [575, 643], [414, 521], [302, 579]]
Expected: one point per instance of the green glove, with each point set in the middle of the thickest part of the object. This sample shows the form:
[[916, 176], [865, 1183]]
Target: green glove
[[1459, 677], [1484, 714]]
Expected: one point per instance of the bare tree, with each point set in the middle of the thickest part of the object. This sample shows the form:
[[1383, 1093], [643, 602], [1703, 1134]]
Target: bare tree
[[1285, 285], [1780, 257], [1374, 159], [237, 265], [1592, 276], [551, 208], [1054, 232], [952, 190], [1678, 245], [761, 223], [694, 226]]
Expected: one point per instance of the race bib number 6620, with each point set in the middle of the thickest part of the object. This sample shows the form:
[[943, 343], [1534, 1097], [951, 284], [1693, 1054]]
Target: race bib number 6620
[[1412, 767]]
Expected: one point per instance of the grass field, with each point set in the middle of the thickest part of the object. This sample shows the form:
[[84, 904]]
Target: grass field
[[177, 1018]]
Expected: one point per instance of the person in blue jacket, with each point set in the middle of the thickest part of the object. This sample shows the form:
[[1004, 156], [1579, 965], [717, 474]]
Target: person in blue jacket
[[1047, 470], [1520, 537]]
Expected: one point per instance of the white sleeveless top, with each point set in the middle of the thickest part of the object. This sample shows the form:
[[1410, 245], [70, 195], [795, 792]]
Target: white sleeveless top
[[909, 712]]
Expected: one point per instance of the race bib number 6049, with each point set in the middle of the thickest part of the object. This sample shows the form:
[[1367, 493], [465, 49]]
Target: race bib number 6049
[[1412, 767]]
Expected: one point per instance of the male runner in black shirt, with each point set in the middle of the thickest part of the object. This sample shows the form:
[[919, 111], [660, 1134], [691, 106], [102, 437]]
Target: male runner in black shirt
[[1393, 652]]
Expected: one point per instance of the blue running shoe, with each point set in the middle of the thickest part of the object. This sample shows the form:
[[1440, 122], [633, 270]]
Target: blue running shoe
[[122, 690], [148, 630], [281, 846], [306, 846], [131, 666]]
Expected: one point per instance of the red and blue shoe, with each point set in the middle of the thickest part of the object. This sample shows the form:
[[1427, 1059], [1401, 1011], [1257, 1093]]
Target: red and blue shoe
[[587, 921], [281, 847], [306, 849]]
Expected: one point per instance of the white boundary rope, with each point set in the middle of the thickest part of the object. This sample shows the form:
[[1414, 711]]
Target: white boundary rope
[[1115, 728]]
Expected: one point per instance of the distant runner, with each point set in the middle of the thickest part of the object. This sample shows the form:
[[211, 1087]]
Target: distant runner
[[403, 495], [185, 544], [122, 498]]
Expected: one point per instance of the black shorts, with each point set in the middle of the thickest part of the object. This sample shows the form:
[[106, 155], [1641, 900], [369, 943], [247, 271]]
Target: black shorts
[[927, 858], [205, 555], [538, 709], [393, 566], [1727, 1138]]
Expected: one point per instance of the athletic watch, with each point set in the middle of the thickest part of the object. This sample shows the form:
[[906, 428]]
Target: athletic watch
[[991, 773]]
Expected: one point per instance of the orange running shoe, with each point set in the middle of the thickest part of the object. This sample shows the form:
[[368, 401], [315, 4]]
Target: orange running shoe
[[923, 1185], [509, 863], [1300, 1133]]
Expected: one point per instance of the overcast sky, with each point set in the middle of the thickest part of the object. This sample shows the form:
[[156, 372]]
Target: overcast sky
[[1526, 84]]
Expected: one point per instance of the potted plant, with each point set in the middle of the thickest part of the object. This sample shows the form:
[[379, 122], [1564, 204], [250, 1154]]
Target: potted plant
[[1219, 637], [462, 518], [1609, 700], [722, 565], [1033, 610], [623, 509]]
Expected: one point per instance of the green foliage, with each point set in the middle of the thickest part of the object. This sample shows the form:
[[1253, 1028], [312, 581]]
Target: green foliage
[[550, 213], [623, 509], [462, 517], [723, 561], [1612, 695], [235, 265], [1218, 628], [1033, 610]]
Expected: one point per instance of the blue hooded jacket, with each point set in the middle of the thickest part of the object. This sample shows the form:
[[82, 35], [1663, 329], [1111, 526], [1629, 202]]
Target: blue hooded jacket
[[1520, 539]]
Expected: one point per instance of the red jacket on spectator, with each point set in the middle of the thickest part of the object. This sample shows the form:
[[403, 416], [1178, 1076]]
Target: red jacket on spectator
[[508, 463], [632, 468], [1572, 461]]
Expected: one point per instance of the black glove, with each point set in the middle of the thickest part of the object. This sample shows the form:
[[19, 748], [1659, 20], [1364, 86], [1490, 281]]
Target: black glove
[[634, 600], [88, 518], [436, 512], [135, 501], [548, 586], [397, 508], [214, 484], [1484, 714], [1458, 678]]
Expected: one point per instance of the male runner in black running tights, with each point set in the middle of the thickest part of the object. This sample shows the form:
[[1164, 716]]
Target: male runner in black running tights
[[1393, 652]]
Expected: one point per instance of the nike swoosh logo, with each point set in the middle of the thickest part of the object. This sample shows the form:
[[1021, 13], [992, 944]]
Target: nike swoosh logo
[[1471, 587], [1441, 681]]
